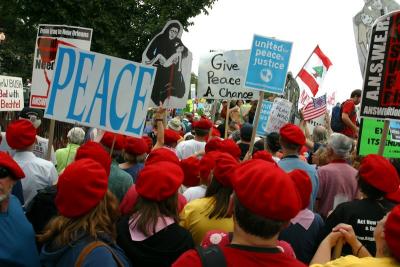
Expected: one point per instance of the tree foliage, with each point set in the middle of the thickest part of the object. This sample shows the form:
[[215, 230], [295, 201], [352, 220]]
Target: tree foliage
[[121, 28]]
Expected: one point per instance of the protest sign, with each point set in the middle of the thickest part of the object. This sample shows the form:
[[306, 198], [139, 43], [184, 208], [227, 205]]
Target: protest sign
[[263, 120], [381, 90], [268, 64], [320, 121], [370, 138], [395, 130], [173, 61], [49, 37], [279, 115], [100, 91], [222, 74], [11, 93]]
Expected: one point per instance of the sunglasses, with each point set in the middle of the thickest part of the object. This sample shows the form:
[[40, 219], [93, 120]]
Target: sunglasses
[[4, 173]]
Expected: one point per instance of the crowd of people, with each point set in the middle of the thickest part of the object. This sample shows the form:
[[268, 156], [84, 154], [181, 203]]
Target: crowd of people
[[192, 192]]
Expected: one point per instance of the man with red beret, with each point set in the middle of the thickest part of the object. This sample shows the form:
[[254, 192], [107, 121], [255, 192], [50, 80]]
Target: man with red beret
[[135, 153], [265, 200], [292, 139], [18, 246], [189, 148], [39, 173]]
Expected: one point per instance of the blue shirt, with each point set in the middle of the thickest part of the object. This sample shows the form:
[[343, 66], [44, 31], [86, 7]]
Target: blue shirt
[[134, 170], [17, 239], [293, 162]]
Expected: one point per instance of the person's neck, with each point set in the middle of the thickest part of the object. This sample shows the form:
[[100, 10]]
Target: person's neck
[[4, 205], [200, 138], [126, 165], [244, 142], [336, 158], [242, 238], [287, 152]]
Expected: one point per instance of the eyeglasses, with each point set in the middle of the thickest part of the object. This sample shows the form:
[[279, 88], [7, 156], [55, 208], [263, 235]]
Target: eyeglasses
[[4, 173]]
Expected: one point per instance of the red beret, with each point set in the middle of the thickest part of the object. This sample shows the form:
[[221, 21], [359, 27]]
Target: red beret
[[213, 144], [20, 134], [6, 161], [93, 150], [108, 139], [135, 146], [80, 188], [170, 136], [264, 155], [225, 166], [303, 185], [191, 170], [394, 196], [207, 164], [161, 154], [392, 232], [205, 124], [293, 134], [380, 173], [266, 190], [229, 146], [158, 185], [215, 132], [149, 143]]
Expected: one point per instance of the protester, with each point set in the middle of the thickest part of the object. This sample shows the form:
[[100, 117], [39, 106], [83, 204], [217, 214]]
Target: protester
[[337, 180], [16, 233], [65, 156], [273, 145], [230, 147], [245, 139], [84, 232], [349, 114], [320, 157], [135, 153], [175, 125]]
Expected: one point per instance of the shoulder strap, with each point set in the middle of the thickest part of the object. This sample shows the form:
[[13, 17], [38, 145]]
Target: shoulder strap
[[90, 247], [211, 256]]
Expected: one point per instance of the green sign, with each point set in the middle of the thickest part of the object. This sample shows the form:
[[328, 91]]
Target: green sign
[[370, 137]]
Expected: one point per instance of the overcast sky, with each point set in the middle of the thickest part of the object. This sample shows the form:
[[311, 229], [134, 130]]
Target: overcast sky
[[231, 24]]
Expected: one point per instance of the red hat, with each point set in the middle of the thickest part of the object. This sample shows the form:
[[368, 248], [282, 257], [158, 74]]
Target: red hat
[[215, 132], [213, 144], [191, 170], [225, 166], [135, 146], [20, 134], [229, 146], [264, 155], [149, 143], [93, 150], [303, 185], [392, 232], [266, 190], [171, 136], [158, 185], [6, 161], [380, 173], [108, 139], [203, 123], [161, 154], [80, 188], [293, 134], [394, 197], [207, 164]]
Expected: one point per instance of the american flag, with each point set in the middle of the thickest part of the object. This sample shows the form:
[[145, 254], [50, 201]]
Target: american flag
[[315, 108]]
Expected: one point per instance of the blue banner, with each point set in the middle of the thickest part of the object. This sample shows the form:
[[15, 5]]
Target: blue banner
[[263, 120]]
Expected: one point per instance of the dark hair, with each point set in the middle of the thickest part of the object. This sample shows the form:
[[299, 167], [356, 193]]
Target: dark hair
[[4, 172], [273, 142], [172, 25], [146, 213], [356, 92], [370, 191], [289, 145], [221, 195], [201, 132], [254, 224]]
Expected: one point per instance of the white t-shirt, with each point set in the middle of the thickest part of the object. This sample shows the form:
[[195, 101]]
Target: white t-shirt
[[188, 148], [195, 192]]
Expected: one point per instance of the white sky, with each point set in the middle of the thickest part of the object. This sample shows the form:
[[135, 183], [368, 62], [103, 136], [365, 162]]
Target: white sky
[[231, 24]]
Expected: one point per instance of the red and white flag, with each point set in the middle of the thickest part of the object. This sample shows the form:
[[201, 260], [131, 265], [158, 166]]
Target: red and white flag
[[315, 108], [314, 71]]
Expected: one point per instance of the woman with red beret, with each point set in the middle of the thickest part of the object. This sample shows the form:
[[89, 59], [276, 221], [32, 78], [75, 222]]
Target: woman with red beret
[[135, 153]]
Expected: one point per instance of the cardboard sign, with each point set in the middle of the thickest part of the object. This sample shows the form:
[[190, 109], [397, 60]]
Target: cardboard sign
[[268, 64], [100, 91], [381, 90], [320, 121], [370, 137], [173, 61], [11, 93], [263, 119], [279, 115], [49, 37], [222, 74]]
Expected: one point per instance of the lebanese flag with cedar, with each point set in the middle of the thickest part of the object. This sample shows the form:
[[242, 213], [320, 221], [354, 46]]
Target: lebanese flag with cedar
[[314, 71]]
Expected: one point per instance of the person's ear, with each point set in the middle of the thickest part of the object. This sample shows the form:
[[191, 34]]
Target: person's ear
[[230, 205]]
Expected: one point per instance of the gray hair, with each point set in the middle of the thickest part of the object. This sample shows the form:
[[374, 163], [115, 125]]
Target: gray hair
[[76, 135], [340, 144], [320, 135]]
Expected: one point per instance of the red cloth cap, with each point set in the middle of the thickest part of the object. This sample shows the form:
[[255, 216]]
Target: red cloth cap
[[229, 146], [93, 150], [266, 190], [213, 145], [215, 132], [149, 143], [207, 164], [380, 173], [293, 134], [205, 124], [225, 166], [392, 232], [80, 188], [303, 185], [20, 134], [394, 197], [159, 181], [135, 146], [264, 155], [161, 154], [191, 170], [170, 136], [6, 161], [108, 139]]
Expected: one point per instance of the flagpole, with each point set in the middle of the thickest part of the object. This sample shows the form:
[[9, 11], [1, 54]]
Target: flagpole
[[305, 62]]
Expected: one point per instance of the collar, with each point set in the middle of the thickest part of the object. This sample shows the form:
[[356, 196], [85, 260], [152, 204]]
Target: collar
[[304, 218], [338, 161], [137, 235], [24, 155], [290, 157], [273, 250]]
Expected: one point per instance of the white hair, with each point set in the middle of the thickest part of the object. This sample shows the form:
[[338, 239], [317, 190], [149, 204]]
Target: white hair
[[340, 144], [76, 135]]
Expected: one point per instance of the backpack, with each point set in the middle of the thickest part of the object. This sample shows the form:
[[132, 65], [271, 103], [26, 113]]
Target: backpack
[[211, 256], [90, 247], [337, 124]]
